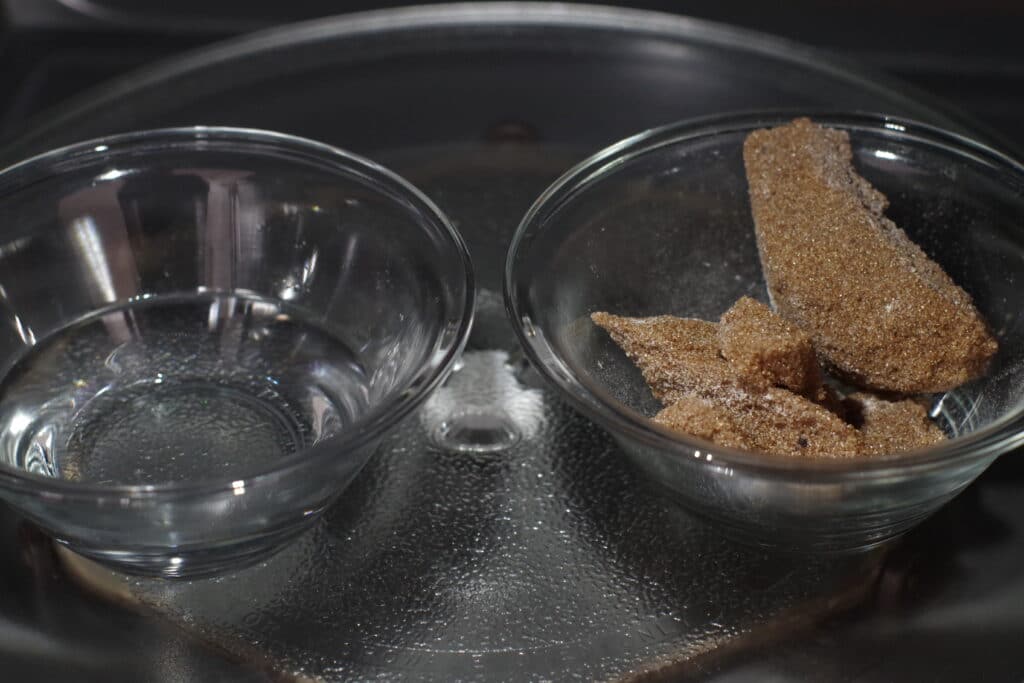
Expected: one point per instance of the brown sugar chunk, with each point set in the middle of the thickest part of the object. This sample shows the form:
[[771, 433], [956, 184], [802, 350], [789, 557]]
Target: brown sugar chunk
[[894, 426], [680, 360], [783, 423], [677, 356], [704, 419], [883, 314], [776, 421], [766, 350]]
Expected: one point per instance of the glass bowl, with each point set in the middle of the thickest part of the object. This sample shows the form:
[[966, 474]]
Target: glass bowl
[[660, 224], [204, 333]]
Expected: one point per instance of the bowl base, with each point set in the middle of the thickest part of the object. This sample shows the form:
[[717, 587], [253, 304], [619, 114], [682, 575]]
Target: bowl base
[[188, 563], [803, 536]]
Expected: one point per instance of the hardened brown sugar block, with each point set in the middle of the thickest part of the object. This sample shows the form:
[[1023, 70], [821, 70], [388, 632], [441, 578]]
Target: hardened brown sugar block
[[766, 350], [703, 418], [883, 314], [775, 421], [677, 356], [681, 361], [893, 426]]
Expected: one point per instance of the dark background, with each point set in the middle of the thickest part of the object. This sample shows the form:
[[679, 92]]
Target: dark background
[[966, 51]]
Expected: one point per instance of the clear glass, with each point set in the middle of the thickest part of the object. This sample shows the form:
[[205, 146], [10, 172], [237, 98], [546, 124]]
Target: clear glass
[[660, 224], [204, 333]]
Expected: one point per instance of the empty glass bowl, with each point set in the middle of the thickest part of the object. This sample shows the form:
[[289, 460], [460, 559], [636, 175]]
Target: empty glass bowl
[[660, 224], [204, 333]]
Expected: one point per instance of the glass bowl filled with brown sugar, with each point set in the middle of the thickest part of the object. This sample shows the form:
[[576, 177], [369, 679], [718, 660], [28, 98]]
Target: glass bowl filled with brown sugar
[[807, 329]]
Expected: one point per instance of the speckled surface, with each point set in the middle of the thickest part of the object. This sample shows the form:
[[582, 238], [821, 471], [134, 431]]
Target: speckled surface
[[547, 560]]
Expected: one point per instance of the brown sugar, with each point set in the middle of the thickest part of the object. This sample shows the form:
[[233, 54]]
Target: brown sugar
[[883, 314], [708, 396], [849, 287], [704, 419], [681, 362], [775, 421], [893, 426], [766, 351], [677, 356]]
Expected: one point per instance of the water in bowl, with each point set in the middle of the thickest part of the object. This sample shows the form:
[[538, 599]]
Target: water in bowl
[[207, 387]]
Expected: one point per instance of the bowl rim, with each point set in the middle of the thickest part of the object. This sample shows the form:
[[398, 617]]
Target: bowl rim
[[447, 344], [1002, 435]]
